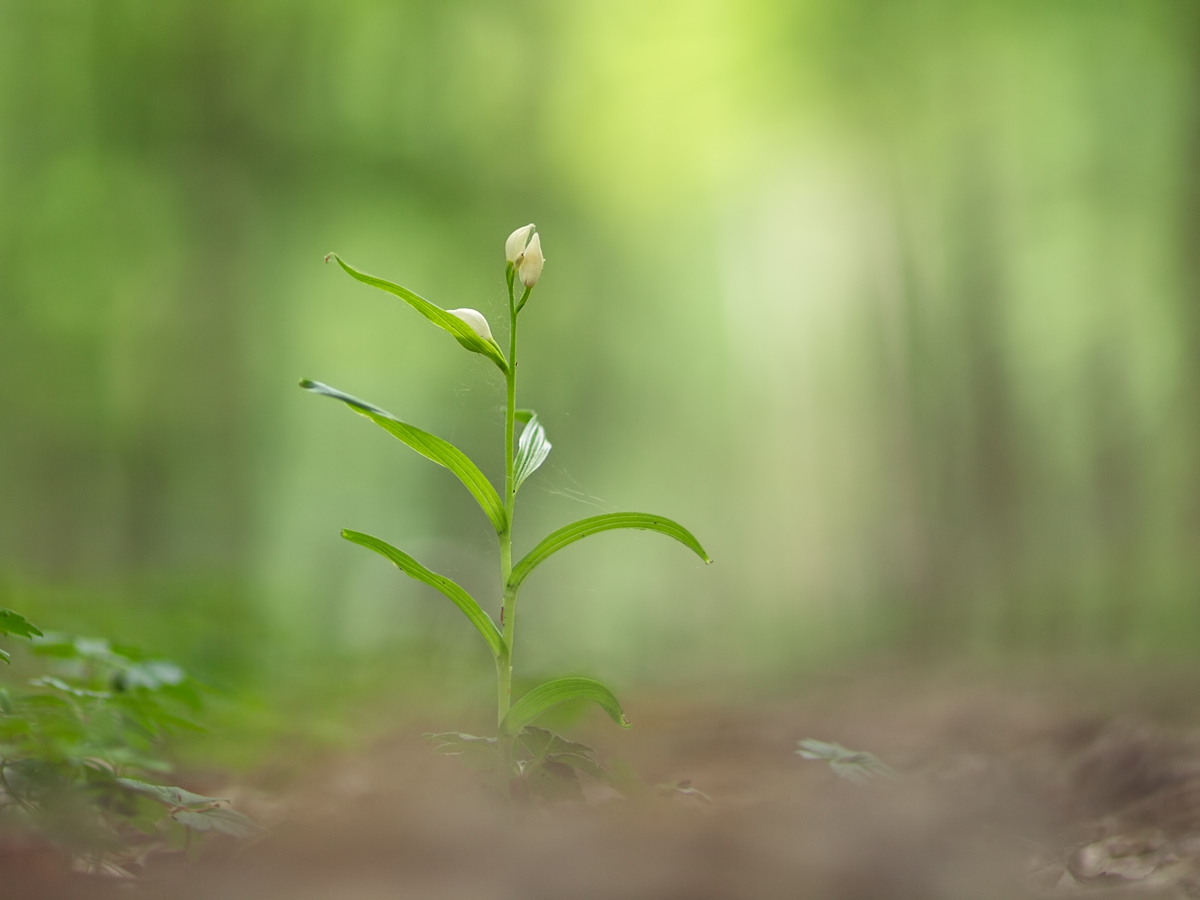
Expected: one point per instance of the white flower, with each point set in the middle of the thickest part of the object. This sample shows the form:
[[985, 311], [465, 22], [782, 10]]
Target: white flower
[[515, 245], [530, 267], [475, 319]]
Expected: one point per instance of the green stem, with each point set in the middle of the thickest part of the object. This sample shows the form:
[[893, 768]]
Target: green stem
[[508, 610]]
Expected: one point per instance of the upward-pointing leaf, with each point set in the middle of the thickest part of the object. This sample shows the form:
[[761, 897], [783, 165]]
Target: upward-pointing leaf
[[431, 447], [409, 566], [532, 448], [462, 332], [552, 693], [571, 533]]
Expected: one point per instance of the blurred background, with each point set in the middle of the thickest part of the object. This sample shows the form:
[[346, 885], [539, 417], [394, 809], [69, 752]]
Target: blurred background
[[896, 305]]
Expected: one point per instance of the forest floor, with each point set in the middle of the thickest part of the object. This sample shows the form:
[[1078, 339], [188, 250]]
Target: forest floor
[[1060, 785]]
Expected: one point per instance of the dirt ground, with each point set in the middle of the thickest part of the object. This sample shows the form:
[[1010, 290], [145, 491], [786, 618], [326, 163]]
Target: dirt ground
[[1034, 787]]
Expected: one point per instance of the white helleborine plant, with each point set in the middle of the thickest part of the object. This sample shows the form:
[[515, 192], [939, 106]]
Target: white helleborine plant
[[475, 319], [525, 760]]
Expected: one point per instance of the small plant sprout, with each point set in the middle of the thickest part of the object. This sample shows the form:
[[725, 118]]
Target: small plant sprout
[[857, 766], [522, 759]]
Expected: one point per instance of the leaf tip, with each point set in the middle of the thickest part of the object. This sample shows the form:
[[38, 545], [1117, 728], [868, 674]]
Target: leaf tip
[[307, 383]]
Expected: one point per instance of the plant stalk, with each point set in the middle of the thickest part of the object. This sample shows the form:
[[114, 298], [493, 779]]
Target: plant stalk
[[508, 610]]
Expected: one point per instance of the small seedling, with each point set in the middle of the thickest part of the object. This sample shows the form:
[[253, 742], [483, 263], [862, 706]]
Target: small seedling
[[857, 766], [527, 760], [78, 743]]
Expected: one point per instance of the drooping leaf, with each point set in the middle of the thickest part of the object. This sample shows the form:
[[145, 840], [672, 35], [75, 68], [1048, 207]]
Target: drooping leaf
[[532, 447], [16, 624], [218, 818], [480, 753], [552, 693], [430, 446], [584, 527], [542, 745], [857, 766], [167, 796], [461, 331], [409, 566]]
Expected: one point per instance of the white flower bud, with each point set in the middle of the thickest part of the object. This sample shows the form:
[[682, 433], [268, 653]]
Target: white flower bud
[[475, 319], [515, 245], [530, 268]]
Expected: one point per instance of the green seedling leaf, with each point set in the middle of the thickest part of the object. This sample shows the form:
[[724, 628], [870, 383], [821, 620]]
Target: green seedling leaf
[[853, 765], [532, 447], [541, 742], [584, 527], [409, 566], [174, 797], [480, 753], [431, 447], [16, 624], [552, 693], [218, 818], [462, 332], [59, 685], [541, 745]]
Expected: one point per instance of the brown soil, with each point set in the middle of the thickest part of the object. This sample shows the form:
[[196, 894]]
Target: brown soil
[[1006, 790]]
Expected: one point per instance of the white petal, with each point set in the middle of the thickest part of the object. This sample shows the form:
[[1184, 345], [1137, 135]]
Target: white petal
[[532, 262], [515, 245], [475, 319]]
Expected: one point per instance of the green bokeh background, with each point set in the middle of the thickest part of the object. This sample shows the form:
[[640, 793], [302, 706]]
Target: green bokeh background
[[895, 304]]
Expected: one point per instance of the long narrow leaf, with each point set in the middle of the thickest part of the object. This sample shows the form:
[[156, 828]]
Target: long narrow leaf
[[532, 448], [462, 332], [552, 693], [581, 529], [430, 446], [409, 566]]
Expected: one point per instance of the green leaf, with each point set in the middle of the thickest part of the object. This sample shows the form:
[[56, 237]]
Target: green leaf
[[462, 332], [480, 753], [409, 566], [581, 529], [17, 624], [151, 675], [857, 766], [532, 447], [552, 693], [59, 685], [167, 796], [431, 447], [218, 818]]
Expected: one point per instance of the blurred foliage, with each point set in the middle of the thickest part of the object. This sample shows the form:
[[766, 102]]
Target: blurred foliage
[[72, 737], [895, 303]]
